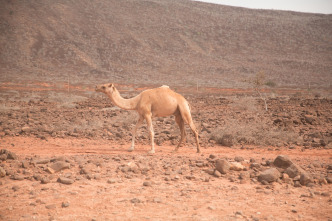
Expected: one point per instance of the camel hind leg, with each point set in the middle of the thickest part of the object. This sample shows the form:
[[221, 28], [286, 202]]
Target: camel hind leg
[[180, 122], [186, 116]]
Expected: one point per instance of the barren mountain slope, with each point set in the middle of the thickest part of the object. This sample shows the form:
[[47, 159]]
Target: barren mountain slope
[[162, 42]]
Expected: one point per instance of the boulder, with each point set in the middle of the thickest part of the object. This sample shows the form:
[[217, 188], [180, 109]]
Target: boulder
[[282, 161], [294, 170], [269, 175], [222, 166], [305, 179]]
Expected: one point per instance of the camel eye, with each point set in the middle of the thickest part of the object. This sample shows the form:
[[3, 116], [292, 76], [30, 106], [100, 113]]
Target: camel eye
[[103, 87]]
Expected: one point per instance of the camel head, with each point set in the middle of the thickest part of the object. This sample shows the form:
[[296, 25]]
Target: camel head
[[105, 88]]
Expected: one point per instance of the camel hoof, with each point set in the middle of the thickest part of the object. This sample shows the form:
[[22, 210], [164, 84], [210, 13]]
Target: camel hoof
[[151, 152], [175, 151], [130, 149]]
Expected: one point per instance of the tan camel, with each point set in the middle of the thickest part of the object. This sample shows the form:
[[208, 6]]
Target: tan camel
[[157, 102]]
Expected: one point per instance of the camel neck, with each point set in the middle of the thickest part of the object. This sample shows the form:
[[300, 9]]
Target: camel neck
[[118, 100]]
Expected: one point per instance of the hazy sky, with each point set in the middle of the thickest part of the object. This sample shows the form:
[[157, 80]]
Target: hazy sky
[[313, 6]]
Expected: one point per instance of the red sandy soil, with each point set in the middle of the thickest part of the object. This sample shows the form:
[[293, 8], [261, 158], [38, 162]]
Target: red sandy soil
[[187, 195]]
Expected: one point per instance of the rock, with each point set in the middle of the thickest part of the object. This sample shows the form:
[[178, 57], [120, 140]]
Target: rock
[[25, 164], [216, 173], [322, 181], [309, 119], [26, 129], [65, 204], [3, 157], [236, 166], [15, 188], [50, 206], [111, 181], [244, 175], [11, 156], [269, 175], [212, 156], [293, 170], [238, 159], [222, 166], [50, 170], [305, 179], [17, 177], [65, 180], [147, 183], [2, 172], [42, 161], [60, 165], [282, 161], [45, 180], [209, 171], [135, 200], [255, 166]]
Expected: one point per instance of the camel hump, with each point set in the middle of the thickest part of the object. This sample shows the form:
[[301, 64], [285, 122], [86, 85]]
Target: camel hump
[[165, 86]]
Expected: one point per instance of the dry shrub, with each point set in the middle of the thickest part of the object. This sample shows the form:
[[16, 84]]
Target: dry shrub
[[237, 132]]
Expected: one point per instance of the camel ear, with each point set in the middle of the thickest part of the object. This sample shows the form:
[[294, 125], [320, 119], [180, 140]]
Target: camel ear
[[111, 85]]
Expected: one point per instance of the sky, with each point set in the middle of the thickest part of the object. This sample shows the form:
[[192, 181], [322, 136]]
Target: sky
[[312, 6]]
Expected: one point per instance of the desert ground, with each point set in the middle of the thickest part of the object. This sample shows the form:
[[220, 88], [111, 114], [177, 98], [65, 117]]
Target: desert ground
[[64, 157], [259, 87]]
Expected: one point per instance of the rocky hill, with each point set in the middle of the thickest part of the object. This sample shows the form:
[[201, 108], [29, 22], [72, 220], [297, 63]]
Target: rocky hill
[[180, 43]]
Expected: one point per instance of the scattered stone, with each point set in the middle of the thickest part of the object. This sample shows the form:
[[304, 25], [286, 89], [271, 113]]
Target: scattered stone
[[15, 188], [25, 164], [11, 156], [111, 181], [50, 206], [282, 161], [157, 200], [65, 180], [209, 171], [50, 170], [293, 170], [269, 175], [216, 173], [17, 177], [222, 166], [65, 204], [2, 172], [211, 207], [42, 161], [60, 165], [212, 156], [147, 183], [305, 179], [238, 159], [45, 180], [236, 166], [135, 200]]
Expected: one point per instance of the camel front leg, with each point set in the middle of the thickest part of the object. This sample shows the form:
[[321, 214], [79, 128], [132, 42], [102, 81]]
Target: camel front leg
[[150, 128], [139, 122]]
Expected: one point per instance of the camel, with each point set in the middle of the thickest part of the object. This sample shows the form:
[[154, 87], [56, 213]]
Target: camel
[[157, 102]]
